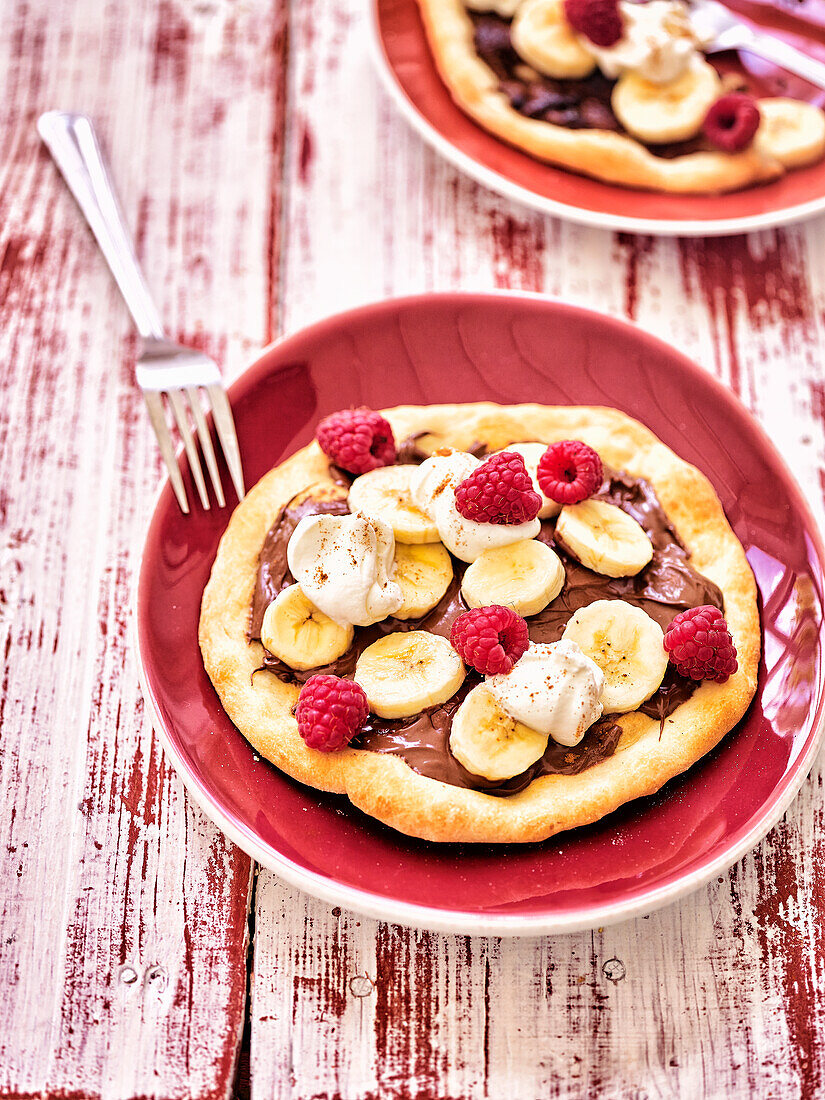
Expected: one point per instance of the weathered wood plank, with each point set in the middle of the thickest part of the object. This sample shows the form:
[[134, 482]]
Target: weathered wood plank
[[124, 912], [720, 994]]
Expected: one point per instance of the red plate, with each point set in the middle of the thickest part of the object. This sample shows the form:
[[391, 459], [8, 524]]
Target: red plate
[[406, 65], [508, 348]]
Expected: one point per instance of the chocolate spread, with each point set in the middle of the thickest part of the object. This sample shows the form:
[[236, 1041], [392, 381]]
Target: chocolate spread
[[576, 104], [423, 740], [668, 585]]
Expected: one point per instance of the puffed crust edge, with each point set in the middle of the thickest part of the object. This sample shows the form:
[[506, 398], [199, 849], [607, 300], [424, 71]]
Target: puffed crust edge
[[602, 154], [382, 785]]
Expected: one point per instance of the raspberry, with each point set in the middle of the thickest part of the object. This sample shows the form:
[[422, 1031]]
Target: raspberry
[[491, 639], [499, 491], [732, 121], [569, 472], [700, 644], [330, 711], [358, 440], [598, 20]]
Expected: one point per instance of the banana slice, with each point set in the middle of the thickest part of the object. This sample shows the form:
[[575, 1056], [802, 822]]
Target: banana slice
[[385, 494], [531, 453], [486, 741], [404, 673], [553, 688], [541, 35], [791, 131], [657, 113], [604, 538], [526, 576], [627, 645], [303, 637], [423, 574]]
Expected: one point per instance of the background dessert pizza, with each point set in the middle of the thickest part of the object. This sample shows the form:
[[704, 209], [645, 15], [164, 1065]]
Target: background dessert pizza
[[530, 80], [407, 65]]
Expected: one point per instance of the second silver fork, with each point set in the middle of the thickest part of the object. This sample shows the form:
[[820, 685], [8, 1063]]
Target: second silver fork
[[182, 374]]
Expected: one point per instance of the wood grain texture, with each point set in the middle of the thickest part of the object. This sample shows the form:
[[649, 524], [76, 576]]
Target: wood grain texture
[[267, 189], [719, 995], [124, 912]]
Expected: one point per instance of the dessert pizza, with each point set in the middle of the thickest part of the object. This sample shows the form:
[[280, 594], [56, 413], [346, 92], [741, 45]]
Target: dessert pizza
[[479, 622], [616, 89]]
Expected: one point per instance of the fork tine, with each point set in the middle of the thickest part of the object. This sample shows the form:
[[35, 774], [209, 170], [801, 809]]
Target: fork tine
[[178, 403], [154, 406], [206, 444], [225, 427]]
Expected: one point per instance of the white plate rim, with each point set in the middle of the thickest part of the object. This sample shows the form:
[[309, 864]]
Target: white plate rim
[[657, 227], [461, 922]]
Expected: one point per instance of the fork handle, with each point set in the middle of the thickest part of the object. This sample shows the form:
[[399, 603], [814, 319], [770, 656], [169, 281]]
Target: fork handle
[[781, 54], [73, 144]]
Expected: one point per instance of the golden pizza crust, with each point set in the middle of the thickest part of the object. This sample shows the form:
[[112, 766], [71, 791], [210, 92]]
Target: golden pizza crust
[[603, 154], [383, 785]]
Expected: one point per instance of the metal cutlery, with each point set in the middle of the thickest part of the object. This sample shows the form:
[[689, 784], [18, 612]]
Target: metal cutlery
[[189, 380], [719, 29]]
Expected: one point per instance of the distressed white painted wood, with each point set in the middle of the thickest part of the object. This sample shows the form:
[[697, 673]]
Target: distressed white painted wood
[[108, 873], [123, 912], [719, 995]]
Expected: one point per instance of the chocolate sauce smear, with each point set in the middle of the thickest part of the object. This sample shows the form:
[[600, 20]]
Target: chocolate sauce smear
[[423, 741], [273, 571], [668, 585], [575, 104]]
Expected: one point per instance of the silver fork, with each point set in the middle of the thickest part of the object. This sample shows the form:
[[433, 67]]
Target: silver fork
[[164, 367], [720, 28]]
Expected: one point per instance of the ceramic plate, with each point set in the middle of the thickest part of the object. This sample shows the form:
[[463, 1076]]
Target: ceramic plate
[[404, 61], [507, 348]]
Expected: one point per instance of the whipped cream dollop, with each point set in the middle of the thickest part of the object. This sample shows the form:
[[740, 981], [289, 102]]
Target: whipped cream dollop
[[554, 688], [433, 490], [343, 565], [659, 42]]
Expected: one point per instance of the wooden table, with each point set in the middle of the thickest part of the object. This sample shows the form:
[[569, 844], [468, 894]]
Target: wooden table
[[268, 181]]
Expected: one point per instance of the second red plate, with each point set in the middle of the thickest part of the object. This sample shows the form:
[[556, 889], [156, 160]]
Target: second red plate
[[406, 66]]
